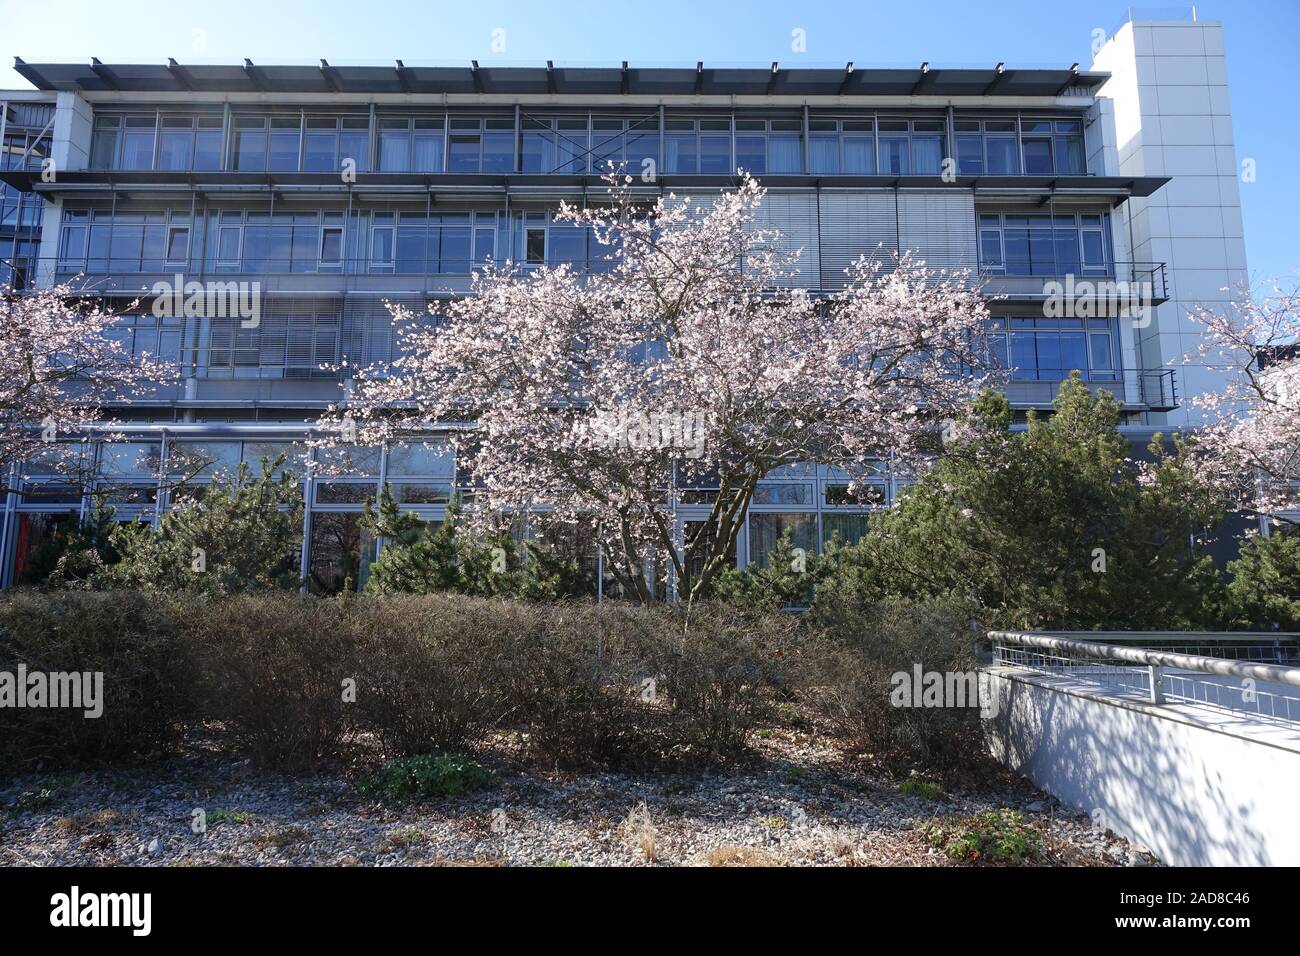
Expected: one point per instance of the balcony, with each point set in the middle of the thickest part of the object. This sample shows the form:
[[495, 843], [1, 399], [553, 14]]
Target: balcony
[[1147, 281], [1137, 390]]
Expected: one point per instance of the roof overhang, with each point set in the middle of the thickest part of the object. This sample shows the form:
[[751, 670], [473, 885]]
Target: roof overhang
[[575, 81], [414, 185]]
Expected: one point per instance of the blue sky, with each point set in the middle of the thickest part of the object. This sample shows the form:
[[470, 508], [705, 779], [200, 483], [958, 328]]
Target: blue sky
[[1260, 37]]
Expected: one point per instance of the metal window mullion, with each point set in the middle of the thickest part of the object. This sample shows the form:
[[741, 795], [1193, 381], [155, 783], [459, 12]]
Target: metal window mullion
[[225, 136], [807, 145], [7, 538]]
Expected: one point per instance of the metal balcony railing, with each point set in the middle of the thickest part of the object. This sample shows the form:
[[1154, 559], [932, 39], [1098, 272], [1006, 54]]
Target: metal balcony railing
[[1120, 281], [1158, 389], [1250, 675]]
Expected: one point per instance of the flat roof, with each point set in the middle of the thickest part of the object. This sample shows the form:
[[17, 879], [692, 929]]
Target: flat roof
[[173, 77]]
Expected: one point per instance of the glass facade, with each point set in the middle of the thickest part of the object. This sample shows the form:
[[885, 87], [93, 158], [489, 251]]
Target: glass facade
[[861, 143], [330, 256]]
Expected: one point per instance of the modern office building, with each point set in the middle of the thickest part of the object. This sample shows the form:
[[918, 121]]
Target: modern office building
[[336, 188]]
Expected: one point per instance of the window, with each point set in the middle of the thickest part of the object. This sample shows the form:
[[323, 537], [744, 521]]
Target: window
[[328, 141], [256, 241], [249, 143], [293, 340], [895, 157], [698, 147], [842, 147], [623, 143], [538, 239], [134, 241], [331, 245], [1036, 147], [415, 243], [411, 144], [1068, 148], [481, 145], [986, 147], [555, 145], [284, 143], [1043, 245], [178, 243], [189, 142], [103, 149], [766, 529], [138, 142], [1043, 349], [273, 144]]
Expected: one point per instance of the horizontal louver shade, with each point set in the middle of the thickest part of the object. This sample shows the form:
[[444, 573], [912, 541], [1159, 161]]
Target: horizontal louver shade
[[939, 228], [854, 225]]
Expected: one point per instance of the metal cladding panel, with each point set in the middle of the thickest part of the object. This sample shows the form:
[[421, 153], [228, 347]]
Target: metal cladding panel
[[856, 225], [939, 228], [794, 215]]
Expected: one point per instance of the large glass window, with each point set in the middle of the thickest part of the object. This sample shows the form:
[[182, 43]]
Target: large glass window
[[137, 241], [189, 142], [538, 239], [1043, 244], [698, 147], [448, 242], [298, 339], [1043, 349], [481, 145], [555, 144], [844, 146], [411, 144], [624, 143], [330, 140], [987, 147], [766, 529], [769, 146]]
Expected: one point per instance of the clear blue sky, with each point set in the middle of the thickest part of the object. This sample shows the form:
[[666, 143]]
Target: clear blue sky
[[1260, 36]]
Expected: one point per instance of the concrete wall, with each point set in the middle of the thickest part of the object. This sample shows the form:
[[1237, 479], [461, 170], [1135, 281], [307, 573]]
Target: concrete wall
[[1169, 90], [1198, 789]]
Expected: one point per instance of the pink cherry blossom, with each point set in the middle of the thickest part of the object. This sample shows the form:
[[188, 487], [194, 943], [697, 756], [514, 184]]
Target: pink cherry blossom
[[695, 320]]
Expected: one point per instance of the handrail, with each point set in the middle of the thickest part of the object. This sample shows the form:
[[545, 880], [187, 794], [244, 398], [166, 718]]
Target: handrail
[[1187, 636], [1151, 658]]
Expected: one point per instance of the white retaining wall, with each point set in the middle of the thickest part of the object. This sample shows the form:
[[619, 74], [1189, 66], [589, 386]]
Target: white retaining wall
[[1197, 787]]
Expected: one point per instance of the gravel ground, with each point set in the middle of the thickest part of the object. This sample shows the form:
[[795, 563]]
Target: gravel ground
[[799, 803]]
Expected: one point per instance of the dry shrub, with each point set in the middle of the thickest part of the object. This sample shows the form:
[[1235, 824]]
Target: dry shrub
[[271, 668], [429, 669], [130, 638], [848, 679]]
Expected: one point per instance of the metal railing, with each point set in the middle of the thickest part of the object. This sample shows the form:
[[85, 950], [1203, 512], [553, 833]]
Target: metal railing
[[1158, 388], [1144, 283], [1257, 681]]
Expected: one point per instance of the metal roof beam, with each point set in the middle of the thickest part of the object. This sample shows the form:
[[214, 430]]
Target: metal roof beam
[[254, 75], [104, 73], [403, 77], [179, 74], [848, 77], [331, 76], [1074, 75], [1000, 71], [31, 75]]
